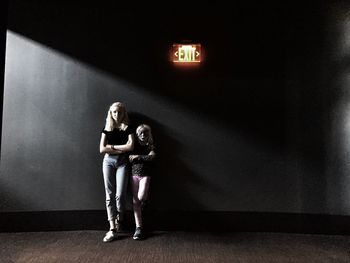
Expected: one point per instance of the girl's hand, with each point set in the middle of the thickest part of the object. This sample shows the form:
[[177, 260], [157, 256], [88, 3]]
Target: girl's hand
[[132, 157]]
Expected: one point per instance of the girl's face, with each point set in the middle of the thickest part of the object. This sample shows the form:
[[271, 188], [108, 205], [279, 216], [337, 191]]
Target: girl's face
[[143, 135], [117, 114]]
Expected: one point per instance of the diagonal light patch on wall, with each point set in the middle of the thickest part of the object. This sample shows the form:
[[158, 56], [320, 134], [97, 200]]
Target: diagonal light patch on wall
[[54, 110]]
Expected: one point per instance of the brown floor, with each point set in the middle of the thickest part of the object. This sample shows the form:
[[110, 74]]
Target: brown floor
[[87, 246]]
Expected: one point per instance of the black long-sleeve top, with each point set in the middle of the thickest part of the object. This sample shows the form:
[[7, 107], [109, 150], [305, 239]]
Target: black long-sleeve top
[[142, 165]]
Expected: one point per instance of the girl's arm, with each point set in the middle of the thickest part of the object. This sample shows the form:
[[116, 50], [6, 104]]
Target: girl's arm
[[128, 147], [106, 148], [144, 157], [148, 157]]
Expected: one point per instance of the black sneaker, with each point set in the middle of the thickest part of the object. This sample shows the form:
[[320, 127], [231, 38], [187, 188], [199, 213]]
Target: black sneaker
[[138, 235]]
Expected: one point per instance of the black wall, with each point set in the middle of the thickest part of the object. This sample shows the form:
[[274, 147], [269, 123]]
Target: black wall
[[3, 25], [256, 127]]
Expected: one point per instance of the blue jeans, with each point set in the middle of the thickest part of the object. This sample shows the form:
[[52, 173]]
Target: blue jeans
[[115, 177]]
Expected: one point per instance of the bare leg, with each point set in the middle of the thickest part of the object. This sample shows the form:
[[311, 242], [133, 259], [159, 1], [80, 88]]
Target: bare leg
[[140, 186]]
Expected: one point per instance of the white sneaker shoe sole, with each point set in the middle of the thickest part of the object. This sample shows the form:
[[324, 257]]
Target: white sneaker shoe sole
[[110, 236]]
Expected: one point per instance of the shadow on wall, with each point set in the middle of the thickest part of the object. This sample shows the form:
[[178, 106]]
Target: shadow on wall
[[172, 178]]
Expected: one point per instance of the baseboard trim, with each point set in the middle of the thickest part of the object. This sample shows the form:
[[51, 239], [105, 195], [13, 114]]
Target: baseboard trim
[[179, 221]]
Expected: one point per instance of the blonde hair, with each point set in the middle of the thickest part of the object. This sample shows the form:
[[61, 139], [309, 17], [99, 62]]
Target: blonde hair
[[143, 127], [111, 124]]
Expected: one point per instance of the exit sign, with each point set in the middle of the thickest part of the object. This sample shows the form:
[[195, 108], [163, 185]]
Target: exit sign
[[185, 53]]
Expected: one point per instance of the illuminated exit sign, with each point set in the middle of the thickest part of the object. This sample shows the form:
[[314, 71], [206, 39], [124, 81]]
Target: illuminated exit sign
[[186, 53]]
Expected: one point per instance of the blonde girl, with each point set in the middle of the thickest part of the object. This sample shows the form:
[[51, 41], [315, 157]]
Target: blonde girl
[[141, 160], [117, 140]]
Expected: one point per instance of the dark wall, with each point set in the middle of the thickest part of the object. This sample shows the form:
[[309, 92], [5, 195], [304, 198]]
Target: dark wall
[[3, 27], [252, 128]]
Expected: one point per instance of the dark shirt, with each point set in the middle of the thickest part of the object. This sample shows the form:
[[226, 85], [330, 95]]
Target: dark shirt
[[142, 166], [118, 137]]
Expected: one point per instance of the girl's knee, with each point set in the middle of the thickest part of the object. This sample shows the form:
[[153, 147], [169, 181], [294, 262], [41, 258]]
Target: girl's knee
[[136, 201], [142, 197]]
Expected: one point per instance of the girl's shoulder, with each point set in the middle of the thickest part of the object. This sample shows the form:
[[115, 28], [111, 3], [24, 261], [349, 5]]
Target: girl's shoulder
[[105, 130], [130, 129]]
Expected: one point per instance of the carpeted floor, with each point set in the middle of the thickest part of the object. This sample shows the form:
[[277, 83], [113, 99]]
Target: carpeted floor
[[87, 246]]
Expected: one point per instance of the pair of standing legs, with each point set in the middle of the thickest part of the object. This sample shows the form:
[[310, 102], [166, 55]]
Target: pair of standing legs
[[140, 191], [115, 174]]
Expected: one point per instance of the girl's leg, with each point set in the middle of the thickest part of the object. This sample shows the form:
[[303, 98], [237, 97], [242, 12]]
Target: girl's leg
[[121, 189], [144, 188], [140, 186], [136, 201], [110, 190]]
